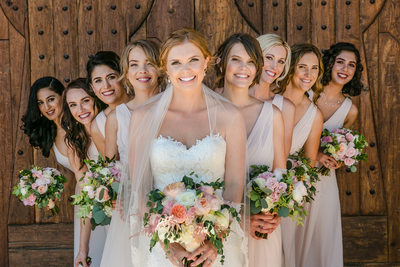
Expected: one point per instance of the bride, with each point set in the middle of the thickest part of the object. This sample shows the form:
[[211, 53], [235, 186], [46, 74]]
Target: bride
[[188, 128]]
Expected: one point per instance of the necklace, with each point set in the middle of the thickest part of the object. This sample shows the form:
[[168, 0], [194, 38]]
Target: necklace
[[334, 104]]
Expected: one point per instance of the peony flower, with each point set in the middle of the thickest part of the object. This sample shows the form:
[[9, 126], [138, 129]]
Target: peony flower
[[42, 189], [51, 204], [299, 192], [349, 137], [179, 212], [187, 198], [202, 206], [326, 139], [105, 197], [30, 201], [36, 173], [172, 190], [206, 189], [272, 183], [214, 202], [351, 151], [349, 161]]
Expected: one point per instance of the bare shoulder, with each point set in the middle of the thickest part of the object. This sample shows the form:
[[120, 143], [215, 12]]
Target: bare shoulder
[[353, 112], [288, 105], [319, 118]]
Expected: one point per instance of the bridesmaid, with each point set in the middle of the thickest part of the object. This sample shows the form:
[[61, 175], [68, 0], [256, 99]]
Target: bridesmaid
[[240, 65], [42, 119], [276, 54], [80, 107], [140, 75], [103, 74], [323, 247], [305, 72]]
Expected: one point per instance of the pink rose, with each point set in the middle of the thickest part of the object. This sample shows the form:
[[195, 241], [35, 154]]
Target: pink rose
[[349, 137], [37, 174], [208, 190], [342, 148], [327, 139], [349, 161], [351, 151], [341, 139], [34, 186], [172, 190], [42, 189], [202, 206], [105, 197], [272, 183], [266, 175], [30, 201], [282, 187], [214, 202]]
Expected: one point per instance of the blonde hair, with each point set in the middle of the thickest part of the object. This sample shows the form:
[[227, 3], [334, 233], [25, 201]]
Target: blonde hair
[[152, 53], [179, 37], [298, 51], [269, 40]]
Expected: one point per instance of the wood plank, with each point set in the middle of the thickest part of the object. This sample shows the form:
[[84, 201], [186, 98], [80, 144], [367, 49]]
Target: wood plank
[[16, 12], [113, 30], [252, 12], [273, 12], [323, 24], [298, 26], [365, 238], [369, 12], [388, 133], [136, 16], [3, 26], [65, 58], [389, 18], [88, 40], [169, 15], [349, 191], [38, 257], [22, 150], [54, 236], [348, 22], [5, 146]]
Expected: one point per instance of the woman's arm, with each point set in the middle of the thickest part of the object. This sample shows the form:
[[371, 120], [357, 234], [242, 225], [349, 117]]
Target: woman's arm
[[111, 147], [311, 146], [235, 159]]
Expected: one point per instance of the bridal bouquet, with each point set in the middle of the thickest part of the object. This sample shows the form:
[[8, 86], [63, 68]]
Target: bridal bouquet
[[189, 213], [283, 193], [41, 187], [345, 146], [99, 189]]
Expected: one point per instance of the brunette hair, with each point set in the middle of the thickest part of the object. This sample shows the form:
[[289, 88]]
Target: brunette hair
[[352, 88], [298, 51], [76, 136], [179, 37], [107, 58], [152, 52], [269, 40], [252, 48], [41, 131]]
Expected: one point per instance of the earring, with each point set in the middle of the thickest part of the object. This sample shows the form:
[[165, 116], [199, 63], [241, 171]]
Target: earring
[[168, 80]]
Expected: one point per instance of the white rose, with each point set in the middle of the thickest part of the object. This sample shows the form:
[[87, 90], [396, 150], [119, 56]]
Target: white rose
[[162, 232], [299, 192], [51, 204], [89, 190], [260, 182], [47, 174], [105, 172], [306, 177], [24, 191], [187, 198], [270, 204], [223, 218]]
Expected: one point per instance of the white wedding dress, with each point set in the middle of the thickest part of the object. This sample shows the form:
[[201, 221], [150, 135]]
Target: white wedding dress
[[170, 161]]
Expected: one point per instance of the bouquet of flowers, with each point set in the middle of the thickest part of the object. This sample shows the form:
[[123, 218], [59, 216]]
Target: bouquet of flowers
[[99, 189], [41, 187], [189, 213], [345, 146], [283, 194]]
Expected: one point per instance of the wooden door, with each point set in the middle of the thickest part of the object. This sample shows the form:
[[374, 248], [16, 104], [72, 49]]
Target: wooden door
[[56, 37]]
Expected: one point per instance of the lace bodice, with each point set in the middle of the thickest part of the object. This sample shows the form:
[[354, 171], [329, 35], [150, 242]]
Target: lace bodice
[[171, 160]]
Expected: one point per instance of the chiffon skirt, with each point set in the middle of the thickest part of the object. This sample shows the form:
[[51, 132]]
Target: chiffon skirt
[[266, 252]]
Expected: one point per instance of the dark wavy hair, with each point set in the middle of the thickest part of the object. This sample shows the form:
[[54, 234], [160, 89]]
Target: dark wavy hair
[[41, 131], [352, 88], [253, 49], [298, 51], [76, 136], [107, 58]]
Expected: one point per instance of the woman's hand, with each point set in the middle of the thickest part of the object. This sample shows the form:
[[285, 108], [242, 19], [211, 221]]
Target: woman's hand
[[176, 254], [205, 254], [263, 223], [81, 259], [328, 161]]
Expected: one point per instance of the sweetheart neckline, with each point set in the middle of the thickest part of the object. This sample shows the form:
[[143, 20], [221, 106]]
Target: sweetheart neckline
[[198, 141]]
